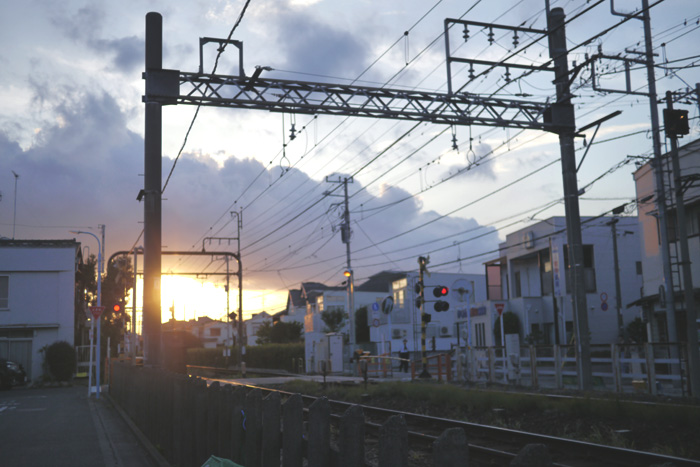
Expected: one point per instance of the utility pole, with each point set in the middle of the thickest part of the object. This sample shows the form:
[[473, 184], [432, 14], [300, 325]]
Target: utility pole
[[672, 134], [563, 115], [616, 264], [345, 234], [657, 164], [14, 215], [153, 157]]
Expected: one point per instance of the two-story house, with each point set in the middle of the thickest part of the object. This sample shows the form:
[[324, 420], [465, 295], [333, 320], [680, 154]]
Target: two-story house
[[654, 286], [37, 298], [532, 278]]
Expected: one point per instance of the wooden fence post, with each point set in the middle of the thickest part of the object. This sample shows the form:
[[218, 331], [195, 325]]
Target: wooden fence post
[[616, 366], [557, 366], [271, 411], [393, 443], [189, 421], [319, 449], [225, 408], [253, 428], [352, 438], [292, 436], [533, 367], [492, 365], [237, 432], [200, 424], [212, 419], [451, 449], [178, 420], [651, 368]]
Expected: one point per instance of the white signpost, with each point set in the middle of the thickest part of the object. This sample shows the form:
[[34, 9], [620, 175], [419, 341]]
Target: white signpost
[[96, 312]]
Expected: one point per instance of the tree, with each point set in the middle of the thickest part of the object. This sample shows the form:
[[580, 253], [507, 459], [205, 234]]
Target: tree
[[637, 331], [279, 332], [117, 281], [333, 319], [85, 294], [361, 326], [511, 325]]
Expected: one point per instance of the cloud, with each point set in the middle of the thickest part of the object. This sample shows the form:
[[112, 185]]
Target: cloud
[[84, 170], [85, 26], [311, 46]]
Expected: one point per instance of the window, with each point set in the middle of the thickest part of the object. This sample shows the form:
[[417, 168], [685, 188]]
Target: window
[[214, 332], [480, 334], [399, 296], [517, 292], [545, 273], [639, 268], [4, 292], [588, 269], [494, 285]]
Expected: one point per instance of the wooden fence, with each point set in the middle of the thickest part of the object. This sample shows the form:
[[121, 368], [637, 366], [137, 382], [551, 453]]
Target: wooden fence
[[190, 421]]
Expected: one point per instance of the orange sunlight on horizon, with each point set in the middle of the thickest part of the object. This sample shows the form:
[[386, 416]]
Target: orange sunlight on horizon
[[192, 298]]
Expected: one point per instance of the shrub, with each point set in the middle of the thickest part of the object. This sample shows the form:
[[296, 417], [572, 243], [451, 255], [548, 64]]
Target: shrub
[[61, 360], [269, 356]]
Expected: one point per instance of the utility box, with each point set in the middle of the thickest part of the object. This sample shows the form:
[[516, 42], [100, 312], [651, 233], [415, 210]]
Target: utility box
[[330, 350]]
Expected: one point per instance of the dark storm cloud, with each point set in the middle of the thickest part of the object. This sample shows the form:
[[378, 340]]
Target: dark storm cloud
[[314, 47], [128, 52], [86, 26]]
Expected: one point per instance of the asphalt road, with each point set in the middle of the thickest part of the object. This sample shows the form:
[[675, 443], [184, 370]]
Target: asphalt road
[[62, 427]]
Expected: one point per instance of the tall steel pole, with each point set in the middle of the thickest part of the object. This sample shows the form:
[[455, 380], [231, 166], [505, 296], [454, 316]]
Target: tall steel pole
[[152, 196], [657, 164], [618, 296], [682, 238], [351, 278], [563, 115]]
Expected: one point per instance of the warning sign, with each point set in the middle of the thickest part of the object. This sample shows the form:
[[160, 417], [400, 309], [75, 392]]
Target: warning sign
[[97, 311], [499, 308]]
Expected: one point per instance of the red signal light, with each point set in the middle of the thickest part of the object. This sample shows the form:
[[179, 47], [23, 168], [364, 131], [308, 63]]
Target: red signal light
[[117, 308], [440, 291]]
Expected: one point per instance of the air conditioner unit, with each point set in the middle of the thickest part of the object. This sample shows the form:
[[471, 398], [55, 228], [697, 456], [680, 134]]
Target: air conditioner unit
[[396, 334], [444, 330]]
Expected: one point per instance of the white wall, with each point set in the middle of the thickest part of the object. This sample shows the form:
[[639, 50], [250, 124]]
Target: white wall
[[41, 293]]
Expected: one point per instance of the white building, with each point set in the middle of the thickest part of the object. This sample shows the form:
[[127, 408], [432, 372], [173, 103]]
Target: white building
[[654, 309], [37, 298], [531, 279], [252, 325], [318, 298]]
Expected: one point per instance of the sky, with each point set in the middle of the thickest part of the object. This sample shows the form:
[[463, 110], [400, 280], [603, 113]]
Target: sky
[[72, 119]]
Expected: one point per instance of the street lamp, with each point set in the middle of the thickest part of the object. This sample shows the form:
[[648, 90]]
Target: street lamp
[[99, 322]]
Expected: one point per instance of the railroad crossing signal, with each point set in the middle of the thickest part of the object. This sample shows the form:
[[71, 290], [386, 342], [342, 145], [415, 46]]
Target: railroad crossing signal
[[439, 292]]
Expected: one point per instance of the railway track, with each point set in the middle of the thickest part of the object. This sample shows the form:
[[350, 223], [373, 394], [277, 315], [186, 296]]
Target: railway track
[[490, 445]]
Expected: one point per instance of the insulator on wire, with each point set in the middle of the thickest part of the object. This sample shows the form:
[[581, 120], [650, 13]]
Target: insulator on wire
[[471, 71], [454, 139], [516, 40], [465, 33], [292, 133], [490, 36], [507, 75]]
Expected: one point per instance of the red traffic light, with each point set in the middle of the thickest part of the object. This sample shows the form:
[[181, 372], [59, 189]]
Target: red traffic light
[[117, 307], [440, 291]]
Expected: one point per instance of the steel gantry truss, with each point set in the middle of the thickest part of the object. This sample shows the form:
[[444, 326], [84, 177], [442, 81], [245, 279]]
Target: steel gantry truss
[[276, 95], [173, 87]]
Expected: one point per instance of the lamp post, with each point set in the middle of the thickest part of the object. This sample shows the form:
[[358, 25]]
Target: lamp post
[[99, 303]]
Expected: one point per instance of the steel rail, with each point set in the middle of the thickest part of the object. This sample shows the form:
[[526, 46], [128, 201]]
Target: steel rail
[[594, 454]]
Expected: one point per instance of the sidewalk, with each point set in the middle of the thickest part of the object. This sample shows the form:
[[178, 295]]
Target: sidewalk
[[62, 427]]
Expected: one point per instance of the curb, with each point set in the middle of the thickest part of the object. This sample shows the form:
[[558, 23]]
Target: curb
[[156, 456]]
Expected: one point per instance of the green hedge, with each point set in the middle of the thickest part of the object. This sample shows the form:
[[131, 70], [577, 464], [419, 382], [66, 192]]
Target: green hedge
[[268, 356]]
